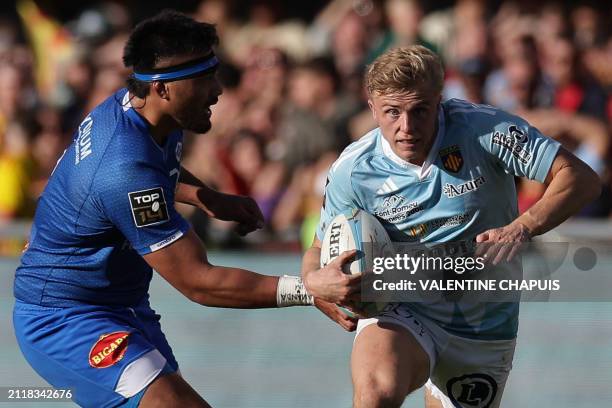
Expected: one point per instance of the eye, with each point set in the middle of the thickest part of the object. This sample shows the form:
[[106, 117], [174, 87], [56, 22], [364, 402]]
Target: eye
[[393, 112], [420, 111]]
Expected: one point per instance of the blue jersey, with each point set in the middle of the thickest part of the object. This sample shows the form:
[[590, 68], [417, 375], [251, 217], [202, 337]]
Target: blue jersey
[[109, 201], [464, 187]]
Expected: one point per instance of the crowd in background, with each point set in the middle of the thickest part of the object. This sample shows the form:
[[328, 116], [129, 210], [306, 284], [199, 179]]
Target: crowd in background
[[293, 95]]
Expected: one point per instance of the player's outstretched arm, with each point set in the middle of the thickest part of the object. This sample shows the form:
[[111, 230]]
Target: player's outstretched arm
[[243, 210], [185, 266]]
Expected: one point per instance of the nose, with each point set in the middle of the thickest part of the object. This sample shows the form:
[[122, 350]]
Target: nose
[[405, 122], [218, 89]]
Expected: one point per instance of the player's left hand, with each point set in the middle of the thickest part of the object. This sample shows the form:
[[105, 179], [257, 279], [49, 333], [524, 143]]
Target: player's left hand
[[241, 209], [498, 244], [332, 311]]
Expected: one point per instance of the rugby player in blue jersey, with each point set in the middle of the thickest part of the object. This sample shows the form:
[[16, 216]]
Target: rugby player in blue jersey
[[107, 219], [436, 172]]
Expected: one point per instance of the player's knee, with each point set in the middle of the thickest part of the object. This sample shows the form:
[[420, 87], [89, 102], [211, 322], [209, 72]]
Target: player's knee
[[171, 391], [375, 392]]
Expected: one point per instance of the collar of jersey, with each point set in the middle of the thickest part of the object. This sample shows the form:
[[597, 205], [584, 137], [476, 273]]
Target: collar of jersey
[[129, 110], [138, 120], [424, 170]]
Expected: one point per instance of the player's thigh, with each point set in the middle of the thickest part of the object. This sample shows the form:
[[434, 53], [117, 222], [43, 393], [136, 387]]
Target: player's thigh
[[387, 363], [471, 372], [171, 390]]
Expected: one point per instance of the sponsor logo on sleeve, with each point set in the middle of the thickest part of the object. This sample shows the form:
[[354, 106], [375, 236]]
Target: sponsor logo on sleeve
[[166, 242], [456, 190], [82, 144], [514, 141], [452, 159], [109, 349], [149, 207], [518, 135]]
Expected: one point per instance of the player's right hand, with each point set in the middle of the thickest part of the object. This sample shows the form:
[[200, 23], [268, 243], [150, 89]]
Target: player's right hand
[[331, 284], [348, 323]]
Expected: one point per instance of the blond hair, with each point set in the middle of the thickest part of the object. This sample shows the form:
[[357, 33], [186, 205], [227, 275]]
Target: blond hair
[[405, 69]]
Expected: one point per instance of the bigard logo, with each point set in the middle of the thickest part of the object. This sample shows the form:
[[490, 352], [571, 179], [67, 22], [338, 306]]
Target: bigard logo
[[109, 349], [149, 207], [452, 159]]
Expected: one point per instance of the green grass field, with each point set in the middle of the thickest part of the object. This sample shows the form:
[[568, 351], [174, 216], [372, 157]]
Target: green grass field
[[298, 358]]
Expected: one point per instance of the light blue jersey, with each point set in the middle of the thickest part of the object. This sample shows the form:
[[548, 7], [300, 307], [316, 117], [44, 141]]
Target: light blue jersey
[[465, 186]]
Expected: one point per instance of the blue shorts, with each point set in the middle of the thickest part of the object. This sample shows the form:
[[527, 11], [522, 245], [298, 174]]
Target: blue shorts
[[107, 355]]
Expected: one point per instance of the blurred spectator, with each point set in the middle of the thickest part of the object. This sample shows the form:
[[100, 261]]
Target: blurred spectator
[[16, 169], [574, 89], [315, 121], [519, 82], [404, 17], [587, 26], [445, 27], [466, 72], [298, 212]]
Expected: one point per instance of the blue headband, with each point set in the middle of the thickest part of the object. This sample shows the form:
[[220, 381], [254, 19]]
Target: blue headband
[[181, 71]]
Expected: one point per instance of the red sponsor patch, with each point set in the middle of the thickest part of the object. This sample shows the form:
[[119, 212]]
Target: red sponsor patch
[[109, 349]]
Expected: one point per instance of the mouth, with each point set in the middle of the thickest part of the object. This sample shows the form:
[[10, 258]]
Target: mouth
[[407, 143], [210, 104]]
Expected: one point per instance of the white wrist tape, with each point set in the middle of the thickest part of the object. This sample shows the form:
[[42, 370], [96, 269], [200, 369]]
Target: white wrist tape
[[292, 292]]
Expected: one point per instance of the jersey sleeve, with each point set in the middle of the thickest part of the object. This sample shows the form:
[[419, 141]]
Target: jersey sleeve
[[520, 149], [339, 196], [139, 201]]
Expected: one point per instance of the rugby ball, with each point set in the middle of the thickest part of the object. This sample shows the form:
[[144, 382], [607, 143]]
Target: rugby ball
[[356, 229]]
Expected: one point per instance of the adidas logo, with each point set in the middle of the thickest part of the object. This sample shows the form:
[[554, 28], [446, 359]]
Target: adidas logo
[[387, 187]]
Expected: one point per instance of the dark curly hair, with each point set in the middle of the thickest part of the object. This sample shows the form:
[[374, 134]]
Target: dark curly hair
[[165, 35]]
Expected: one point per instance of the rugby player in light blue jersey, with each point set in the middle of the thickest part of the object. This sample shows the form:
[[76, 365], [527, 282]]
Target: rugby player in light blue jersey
[[107, 218], [435, 172]]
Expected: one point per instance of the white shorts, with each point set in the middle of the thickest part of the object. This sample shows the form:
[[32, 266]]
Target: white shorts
[[463, 372]]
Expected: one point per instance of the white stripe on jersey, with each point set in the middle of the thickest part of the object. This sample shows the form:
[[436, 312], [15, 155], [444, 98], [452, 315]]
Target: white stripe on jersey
[[468, 107], [471, 110], [387, 187], [125, 103], [355, 149]]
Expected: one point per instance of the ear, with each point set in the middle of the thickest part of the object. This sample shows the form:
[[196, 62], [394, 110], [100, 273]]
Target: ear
[[371, 105], [161, 90]]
